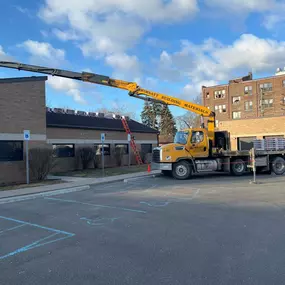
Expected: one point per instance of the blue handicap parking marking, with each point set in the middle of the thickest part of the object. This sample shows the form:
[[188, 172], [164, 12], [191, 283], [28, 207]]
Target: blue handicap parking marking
[[53, 235]]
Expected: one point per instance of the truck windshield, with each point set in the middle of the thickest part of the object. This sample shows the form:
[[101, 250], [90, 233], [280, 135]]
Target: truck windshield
[[181, 137]]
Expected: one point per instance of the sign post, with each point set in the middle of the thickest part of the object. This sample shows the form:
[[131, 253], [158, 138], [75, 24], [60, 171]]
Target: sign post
[[129, 140], [102, 141], [27, 136]]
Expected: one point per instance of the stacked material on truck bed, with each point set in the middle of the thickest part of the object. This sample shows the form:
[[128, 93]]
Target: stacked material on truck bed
[[269, 144]]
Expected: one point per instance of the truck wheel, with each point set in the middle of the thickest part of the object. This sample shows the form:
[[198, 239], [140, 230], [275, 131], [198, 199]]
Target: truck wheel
[[182, 170], [278, 165], [238, 167]]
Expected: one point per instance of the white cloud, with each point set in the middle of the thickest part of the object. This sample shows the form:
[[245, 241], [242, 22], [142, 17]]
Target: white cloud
[[69, 86], [43, 52], [271, 10], [212, 62], [123, 63], [3, 55], [111, 27], [65, 35]]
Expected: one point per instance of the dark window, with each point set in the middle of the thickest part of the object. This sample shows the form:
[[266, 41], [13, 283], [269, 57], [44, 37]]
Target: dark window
[[63, 150], [124, 147], [245, 143], [98, 149], [11, 151], [146, 148]]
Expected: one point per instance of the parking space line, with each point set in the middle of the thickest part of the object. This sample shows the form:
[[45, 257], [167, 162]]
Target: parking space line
[[37, 243], [35, 225], [10, 229], [97, 205]]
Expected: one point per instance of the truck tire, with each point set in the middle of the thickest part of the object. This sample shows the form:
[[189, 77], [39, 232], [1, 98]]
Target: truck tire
[[182, 170], [238, 167], [278, 165]]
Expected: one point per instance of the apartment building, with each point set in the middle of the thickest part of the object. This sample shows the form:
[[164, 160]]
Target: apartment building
[[248, 108], [23, 107]]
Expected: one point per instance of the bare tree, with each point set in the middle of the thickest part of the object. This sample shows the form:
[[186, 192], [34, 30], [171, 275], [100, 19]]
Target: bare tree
[[189, 119]]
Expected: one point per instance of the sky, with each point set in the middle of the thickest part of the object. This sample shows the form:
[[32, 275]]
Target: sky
[[168, 46]]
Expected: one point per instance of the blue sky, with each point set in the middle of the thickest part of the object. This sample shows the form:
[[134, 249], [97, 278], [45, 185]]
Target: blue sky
[[167, 46]]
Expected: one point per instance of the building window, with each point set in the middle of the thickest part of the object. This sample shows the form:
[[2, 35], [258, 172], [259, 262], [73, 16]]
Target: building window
[[283, 83], [99, 148], [146, 148], [266, 87], [267, 103], [221, 108], [221, 94], [247, 90], [248, 105], [207, 95], [217, 123], [236, 115], [123, 147], [236, 100], [63, 150], [11, 151]]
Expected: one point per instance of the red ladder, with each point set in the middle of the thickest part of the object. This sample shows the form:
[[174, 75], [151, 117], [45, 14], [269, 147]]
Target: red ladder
[[132, 142]]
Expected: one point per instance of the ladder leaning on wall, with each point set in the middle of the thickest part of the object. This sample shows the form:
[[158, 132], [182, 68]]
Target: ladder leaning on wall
[[132, 142]]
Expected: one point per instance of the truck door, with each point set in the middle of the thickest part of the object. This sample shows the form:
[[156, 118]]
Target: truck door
[[199, 144]]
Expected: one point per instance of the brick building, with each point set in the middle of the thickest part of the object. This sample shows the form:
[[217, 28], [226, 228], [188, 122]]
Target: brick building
[[248, 108], [23, 107]]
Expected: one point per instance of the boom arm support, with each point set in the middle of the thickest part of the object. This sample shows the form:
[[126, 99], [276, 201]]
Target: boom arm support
[[134, 89]]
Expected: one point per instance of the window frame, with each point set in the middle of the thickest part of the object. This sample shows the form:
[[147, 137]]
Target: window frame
[[123, 144], [267, 88], [63, 144], [236, 117], [14, 158], [247, 90], [99, 145], [220, 94], [147, 144], [248, 109]]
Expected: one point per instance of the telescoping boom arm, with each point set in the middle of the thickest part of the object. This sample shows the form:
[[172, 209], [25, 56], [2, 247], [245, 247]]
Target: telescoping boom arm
[[134, 89]]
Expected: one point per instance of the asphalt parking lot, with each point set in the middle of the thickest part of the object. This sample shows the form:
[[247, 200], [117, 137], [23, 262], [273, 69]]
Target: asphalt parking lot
[[207, 230]]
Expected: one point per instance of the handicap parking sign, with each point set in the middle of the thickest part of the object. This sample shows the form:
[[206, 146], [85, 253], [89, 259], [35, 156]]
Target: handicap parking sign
[[27, 135]]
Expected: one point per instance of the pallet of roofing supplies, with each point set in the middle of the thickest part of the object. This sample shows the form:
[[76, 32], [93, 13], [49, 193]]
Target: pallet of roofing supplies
[[269, 144]]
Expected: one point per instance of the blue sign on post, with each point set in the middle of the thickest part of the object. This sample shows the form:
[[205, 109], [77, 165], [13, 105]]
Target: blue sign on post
[[27, 135]]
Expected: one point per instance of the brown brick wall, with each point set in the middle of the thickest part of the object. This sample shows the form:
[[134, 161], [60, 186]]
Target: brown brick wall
[[237, 90], [22, 106]]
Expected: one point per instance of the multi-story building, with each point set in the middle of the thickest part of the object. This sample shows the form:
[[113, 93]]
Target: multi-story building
[[248, 108]]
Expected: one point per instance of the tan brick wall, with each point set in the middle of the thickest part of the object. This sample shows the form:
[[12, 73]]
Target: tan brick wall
[[22, 106], [258, 127]]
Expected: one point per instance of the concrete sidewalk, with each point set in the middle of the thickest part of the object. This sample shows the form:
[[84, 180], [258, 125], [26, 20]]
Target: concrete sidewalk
[[73, 183]]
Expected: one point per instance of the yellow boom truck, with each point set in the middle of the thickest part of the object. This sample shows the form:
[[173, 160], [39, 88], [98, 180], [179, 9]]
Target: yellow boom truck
[[195, 150]]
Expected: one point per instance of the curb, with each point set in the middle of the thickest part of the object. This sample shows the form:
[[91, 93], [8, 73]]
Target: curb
[[42, 194], [141, 177]]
